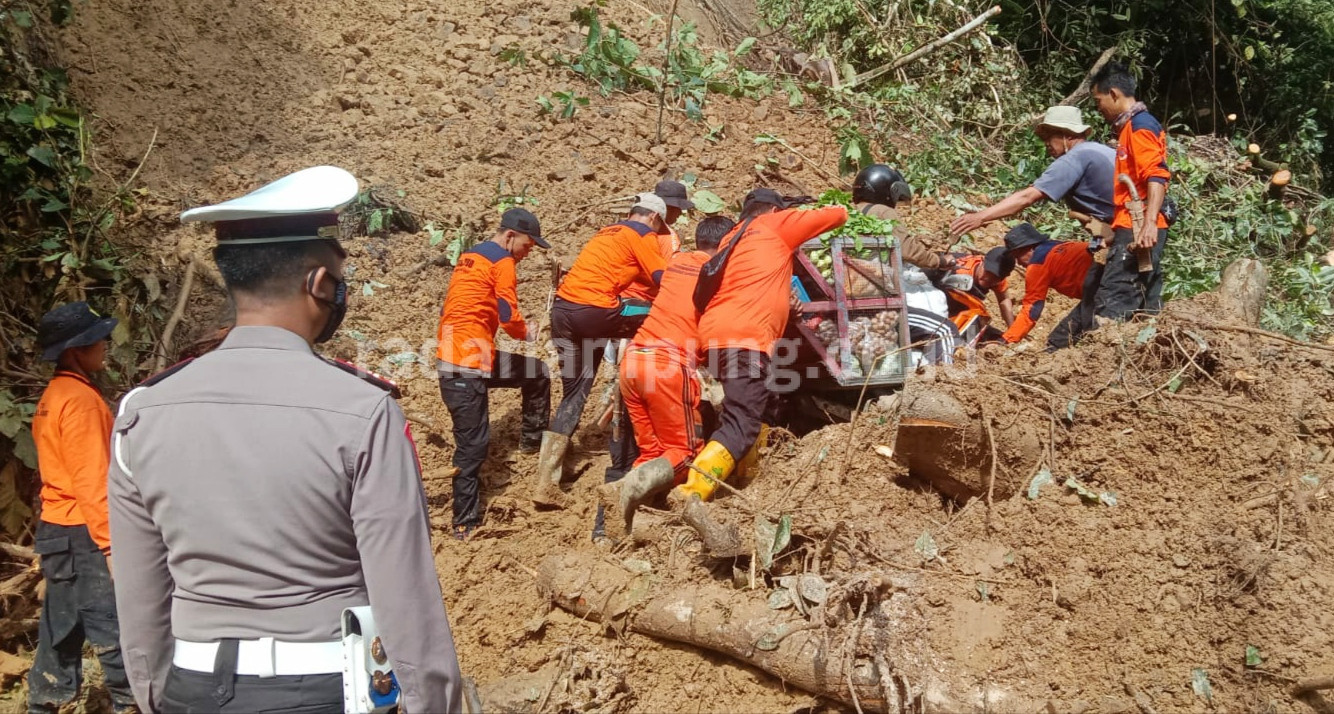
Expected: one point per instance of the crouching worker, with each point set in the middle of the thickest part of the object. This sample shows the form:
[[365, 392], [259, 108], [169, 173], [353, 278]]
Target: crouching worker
[[483, 296], [745, 312], [260, 495], [659, 386], [1064, 266], [72, 429], [966, 288]]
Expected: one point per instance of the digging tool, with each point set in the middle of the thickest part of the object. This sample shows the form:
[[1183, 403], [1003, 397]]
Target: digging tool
[[1137, 218], [1101, 232]]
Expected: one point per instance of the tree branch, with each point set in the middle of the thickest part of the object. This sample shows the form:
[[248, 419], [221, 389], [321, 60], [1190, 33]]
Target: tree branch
[[926, 49]]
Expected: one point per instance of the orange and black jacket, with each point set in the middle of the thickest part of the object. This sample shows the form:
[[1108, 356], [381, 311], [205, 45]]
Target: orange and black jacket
[[975, 299], [72, 430], [668, 245], [482, 296], [1141, 154], [614, 257], [1055, 265], [750, 309], [672, 321]]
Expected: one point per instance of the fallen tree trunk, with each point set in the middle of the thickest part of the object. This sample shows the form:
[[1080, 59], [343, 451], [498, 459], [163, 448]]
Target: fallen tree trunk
[[817, 659]]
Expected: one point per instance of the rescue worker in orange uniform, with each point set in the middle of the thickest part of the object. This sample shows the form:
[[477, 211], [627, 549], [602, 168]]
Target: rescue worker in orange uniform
[[72, 431], [659, 383], [1141, 155], [673, 194], [742, 321], [981, 274], [482, 297], [589, 311], [1064, 266]]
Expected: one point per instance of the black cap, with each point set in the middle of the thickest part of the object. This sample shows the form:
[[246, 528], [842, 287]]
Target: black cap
[[773, 198], [523, 221], [1023, 236], [998, 262], [71, 325], [673, 193]]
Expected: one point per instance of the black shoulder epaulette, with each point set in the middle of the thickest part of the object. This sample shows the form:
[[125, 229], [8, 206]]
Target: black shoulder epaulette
[[368, 376], [166, 373]]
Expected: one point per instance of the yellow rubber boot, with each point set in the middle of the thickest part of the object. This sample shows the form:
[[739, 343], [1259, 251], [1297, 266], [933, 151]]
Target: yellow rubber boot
[[713, 464], [746, 467]]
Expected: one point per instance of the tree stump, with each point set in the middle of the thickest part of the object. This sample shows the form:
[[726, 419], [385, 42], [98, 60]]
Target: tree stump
[[1241, 293]]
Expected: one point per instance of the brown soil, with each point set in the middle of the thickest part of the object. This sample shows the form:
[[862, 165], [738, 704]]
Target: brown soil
[[1028, 602]]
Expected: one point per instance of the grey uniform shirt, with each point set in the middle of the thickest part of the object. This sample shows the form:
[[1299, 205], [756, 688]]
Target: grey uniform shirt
[[1084, 178], [257, 493]]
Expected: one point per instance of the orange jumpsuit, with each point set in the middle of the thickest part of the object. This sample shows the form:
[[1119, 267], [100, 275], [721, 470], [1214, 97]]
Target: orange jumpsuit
[[1055, 265], [658, 382], [668, 244]]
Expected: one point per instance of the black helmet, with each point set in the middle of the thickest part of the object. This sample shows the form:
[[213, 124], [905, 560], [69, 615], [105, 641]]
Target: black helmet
[[879, 183], [1024, 235]]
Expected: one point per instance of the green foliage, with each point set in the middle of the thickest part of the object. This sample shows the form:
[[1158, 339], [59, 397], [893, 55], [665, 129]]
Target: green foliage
[[568, 103], [1270, 62], [612, 62], [377, 211], [506, 198]]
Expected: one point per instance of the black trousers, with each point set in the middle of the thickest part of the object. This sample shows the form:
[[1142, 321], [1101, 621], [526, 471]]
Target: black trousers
[[225, 691], [466, 396], [747, 398], [1079, 320], [623, 450], [80, 605], [581, 333], [1124, 290]]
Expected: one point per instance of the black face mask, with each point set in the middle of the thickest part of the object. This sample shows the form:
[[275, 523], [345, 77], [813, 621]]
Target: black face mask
[[337, 308]]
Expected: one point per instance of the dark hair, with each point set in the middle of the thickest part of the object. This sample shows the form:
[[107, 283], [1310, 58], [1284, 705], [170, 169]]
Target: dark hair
[[1114, 75], [272, 270], [756, 208], [710, 231]]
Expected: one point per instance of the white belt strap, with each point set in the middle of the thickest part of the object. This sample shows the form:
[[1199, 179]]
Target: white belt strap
[[265, 657]]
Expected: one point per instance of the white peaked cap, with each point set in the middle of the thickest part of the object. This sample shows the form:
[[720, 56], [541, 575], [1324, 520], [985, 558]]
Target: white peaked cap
[[321, 189], [652, 202]]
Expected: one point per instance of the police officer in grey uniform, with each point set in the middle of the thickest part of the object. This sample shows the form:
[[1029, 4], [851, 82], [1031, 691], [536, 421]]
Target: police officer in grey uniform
[[259, 490]]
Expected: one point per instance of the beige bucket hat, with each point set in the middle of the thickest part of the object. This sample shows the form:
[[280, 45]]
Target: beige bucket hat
[[1065, 118]]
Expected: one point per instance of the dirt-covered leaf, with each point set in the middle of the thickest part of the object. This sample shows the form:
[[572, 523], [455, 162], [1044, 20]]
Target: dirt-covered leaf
[[780, 599], [1040, 479], [1253, 658], [926, 546], [1199, 683], [813, 588], [708, 202]]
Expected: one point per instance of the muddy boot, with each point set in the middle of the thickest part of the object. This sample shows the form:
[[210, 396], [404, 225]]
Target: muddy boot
[[712, 465], [550, 460], [746, 467], [620, 499]]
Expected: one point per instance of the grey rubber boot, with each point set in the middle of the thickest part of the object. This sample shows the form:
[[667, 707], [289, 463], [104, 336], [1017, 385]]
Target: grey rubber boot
[[625, 496], [550, 463]]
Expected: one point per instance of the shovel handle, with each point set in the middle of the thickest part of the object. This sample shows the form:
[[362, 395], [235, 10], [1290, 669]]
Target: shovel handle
[[1081, 217]]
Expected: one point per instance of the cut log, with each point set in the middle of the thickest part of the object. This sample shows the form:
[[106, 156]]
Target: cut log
[[1241, 293], [1278, 184], [944, 442], [725, 621]]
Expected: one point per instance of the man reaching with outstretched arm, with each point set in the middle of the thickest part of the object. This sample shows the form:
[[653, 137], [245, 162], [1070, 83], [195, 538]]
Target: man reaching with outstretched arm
[[1081, 175], [743, 320]]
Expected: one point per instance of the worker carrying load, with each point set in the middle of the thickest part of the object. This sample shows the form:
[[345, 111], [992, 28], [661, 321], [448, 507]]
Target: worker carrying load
[[1064, 266], [590, 310], [659, 383], [877, 191], [966, 287], [743, 293]]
